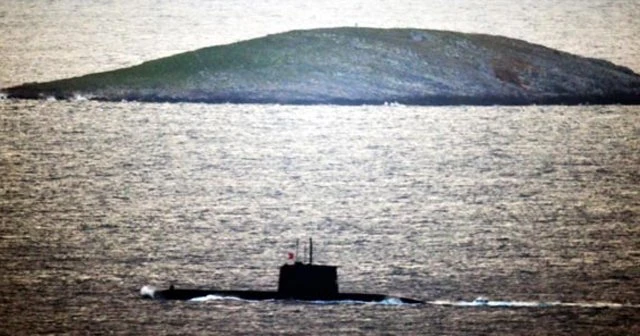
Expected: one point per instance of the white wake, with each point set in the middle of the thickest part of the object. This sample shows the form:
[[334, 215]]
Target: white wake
[[484, 302], [147, 292]]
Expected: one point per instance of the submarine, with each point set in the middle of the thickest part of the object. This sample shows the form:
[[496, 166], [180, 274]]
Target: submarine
[[296, 282]]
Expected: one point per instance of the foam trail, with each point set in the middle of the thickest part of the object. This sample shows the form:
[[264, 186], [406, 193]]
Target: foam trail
[[79, 97], [483, 302], [148, 292], [218, 298], [385, 302], [391, 301], [388, 301]]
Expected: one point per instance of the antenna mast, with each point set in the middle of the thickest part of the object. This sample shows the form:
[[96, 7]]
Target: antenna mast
[[310, 251], [304, 252]]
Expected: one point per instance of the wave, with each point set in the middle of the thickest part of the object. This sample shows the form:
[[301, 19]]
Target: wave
[[149, 293], [221, 298], [479, 302], [385, 302], [484, 302], [79, 97]]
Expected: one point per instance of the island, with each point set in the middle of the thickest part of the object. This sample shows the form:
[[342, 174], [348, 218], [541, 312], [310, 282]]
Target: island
[[356, 66]]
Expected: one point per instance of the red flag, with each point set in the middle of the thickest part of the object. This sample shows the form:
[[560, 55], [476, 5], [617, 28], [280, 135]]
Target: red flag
[[290, 256]]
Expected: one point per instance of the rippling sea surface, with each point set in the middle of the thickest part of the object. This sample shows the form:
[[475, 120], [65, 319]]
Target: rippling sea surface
[[535, 208], [533, 204]]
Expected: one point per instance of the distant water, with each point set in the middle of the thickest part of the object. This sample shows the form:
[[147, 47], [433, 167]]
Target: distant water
[[533, 209], [533, 204]]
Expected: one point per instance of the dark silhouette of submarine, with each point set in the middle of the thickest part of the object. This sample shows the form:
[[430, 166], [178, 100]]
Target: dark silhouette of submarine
[[297, 281]]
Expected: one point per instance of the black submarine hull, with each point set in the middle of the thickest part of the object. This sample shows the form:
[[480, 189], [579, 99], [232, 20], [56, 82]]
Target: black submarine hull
[[189, 294], [297, 282]]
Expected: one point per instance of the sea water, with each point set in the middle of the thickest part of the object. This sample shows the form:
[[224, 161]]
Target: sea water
[[506, 220]]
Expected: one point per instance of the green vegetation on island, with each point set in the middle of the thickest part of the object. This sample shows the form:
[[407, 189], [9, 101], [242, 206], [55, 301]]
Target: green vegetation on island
[[360, 66]]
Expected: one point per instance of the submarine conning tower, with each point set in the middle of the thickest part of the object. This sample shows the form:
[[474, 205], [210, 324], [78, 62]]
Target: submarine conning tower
[[308, 281]]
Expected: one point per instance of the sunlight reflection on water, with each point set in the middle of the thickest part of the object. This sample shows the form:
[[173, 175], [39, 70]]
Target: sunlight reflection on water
[[533, 204]]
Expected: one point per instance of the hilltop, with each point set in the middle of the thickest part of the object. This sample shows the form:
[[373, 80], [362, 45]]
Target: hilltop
[[360, 66]]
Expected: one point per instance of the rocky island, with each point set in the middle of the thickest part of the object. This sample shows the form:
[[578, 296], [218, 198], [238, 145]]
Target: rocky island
[[359, 66]]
